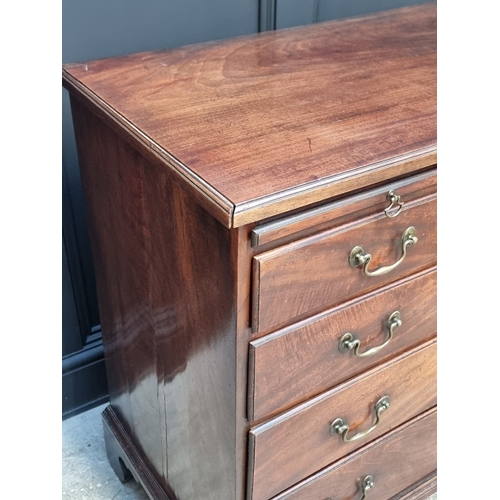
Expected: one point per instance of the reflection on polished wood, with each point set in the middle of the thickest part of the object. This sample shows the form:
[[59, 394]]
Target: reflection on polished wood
[[412, 444], [303, 360], [171, 368], [225, 185], [267, 123], [297, 443], [312, 273]]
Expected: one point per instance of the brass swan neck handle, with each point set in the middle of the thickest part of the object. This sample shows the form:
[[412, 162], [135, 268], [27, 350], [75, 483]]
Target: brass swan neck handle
[[349, 342], [366, 485], [359, 258], [338, 426]]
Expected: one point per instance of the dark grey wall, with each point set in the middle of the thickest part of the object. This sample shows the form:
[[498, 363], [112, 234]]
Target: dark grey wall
[[296, 12]]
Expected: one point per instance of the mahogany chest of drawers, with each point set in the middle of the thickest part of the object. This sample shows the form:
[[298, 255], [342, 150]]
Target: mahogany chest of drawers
[[262, 214]]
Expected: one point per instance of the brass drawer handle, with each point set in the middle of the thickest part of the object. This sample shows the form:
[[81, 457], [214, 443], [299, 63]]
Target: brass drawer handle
[[348, 342], [393, 198], [339, 427], [366, 485], [358, 257]]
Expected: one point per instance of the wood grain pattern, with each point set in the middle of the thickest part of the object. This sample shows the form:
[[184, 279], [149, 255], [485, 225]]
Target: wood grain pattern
[[317, 191], [295, 363], [182, 152], [162, 262], [398, 459], [296, 444], [313, 273], [345, 210], [275, 121], [216, 204]]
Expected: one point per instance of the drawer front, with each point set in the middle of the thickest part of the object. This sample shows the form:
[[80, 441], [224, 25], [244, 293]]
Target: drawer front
[[394, 462], [296, 444], [301, 361], [314, 273]]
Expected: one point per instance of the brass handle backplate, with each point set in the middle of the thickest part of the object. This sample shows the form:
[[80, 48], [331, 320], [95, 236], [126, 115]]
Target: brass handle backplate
[[394, 199], [359, 258], [349, 342], [338, 426]]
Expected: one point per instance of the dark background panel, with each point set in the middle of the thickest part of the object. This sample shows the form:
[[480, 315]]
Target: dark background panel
[[338, 9], [290, 13], [71, 340]]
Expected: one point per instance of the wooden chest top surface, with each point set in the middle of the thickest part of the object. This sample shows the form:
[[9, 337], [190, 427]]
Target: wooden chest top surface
[[267, 123]]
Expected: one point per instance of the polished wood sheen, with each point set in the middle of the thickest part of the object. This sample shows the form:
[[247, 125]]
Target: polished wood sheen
[[314, 273], [294, 445], [343, 211], [127, 462], [403, 456], [171, 368], [267, 123], [225, 185], [295, 363]]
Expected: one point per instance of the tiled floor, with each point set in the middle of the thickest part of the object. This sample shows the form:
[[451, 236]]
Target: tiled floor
[[86, 472]]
